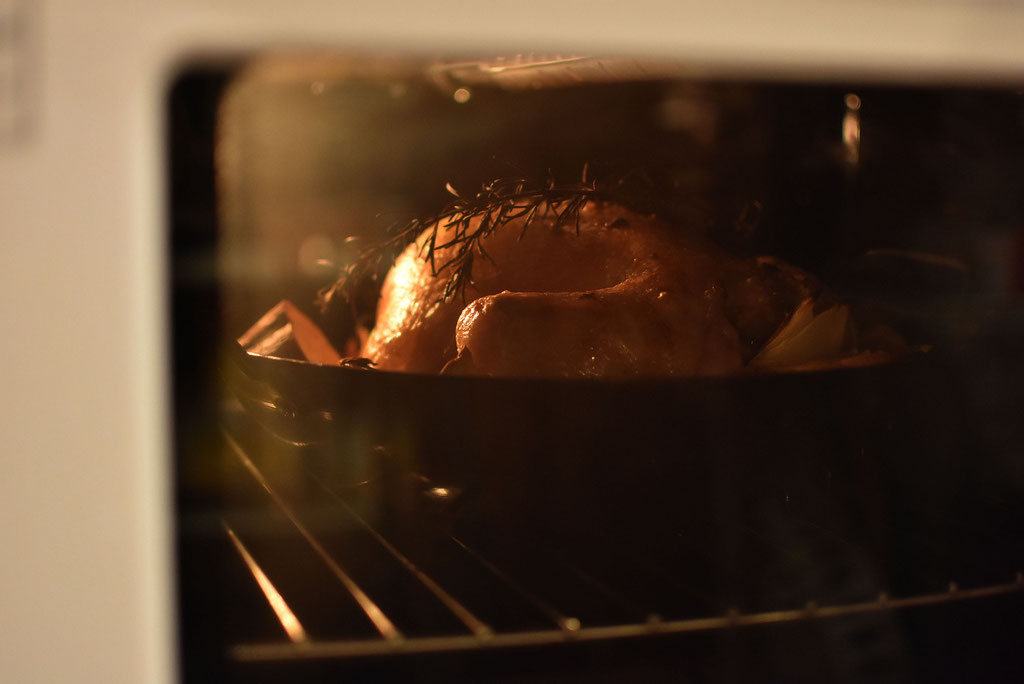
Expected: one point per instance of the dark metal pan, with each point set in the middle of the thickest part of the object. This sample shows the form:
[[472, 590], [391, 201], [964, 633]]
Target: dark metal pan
[[888, 462]]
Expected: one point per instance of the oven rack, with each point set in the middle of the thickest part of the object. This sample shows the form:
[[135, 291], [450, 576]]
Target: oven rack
[[303, 649], [308, 517]]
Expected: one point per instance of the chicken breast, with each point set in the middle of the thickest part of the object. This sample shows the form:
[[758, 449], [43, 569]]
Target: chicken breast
[[626, 296]]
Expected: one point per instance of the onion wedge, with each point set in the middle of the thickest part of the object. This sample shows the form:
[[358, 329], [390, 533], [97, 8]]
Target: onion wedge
[[807, 337]]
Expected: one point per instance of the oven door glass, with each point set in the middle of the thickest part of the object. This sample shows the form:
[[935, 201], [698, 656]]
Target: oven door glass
[[817, 521]]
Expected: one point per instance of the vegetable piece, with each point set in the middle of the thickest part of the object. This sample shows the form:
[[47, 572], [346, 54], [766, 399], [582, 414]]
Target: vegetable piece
[[807, 337], [285, 321]]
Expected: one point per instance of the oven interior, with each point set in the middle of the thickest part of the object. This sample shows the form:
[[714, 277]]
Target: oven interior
[[849, 525]]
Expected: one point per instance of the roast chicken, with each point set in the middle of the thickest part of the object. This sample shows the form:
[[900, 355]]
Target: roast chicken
[[618, 294]]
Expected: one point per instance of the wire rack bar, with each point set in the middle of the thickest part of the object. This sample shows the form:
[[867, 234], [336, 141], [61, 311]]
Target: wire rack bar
[[344, 649], [383, 624]]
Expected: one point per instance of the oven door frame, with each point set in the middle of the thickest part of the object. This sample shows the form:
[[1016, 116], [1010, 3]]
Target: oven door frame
[[87, 487]]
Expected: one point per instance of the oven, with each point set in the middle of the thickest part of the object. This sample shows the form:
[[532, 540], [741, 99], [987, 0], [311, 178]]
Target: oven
[[183, 501]]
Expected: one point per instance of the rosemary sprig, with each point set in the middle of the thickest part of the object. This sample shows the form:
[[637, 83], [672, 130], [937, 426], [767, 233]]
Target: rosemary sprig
[[464, 224]]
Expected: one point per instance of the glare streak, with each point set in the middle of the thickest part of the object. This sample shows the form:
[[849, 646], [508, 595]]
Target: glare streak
[[280, 607]]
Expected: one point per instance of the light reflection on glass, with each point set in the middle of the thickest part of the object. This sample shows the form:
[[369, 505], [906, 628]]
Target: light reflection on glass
[[462, 95], [314, 251], [851, 128]]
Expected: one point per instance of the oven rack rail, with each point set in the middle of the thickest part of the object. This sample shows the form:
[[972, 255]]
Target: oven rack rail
[[477, 633], [302, 649]]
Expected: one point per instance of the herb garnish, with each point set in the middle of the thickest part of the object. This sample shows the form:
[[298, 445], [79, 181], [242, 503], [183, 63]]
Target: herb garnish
[[464, 223]]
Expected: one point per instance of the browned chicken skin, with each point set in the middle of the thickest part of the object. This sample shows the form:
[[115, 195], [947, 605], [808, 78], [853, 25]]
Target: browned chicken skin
[[627, 296]]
